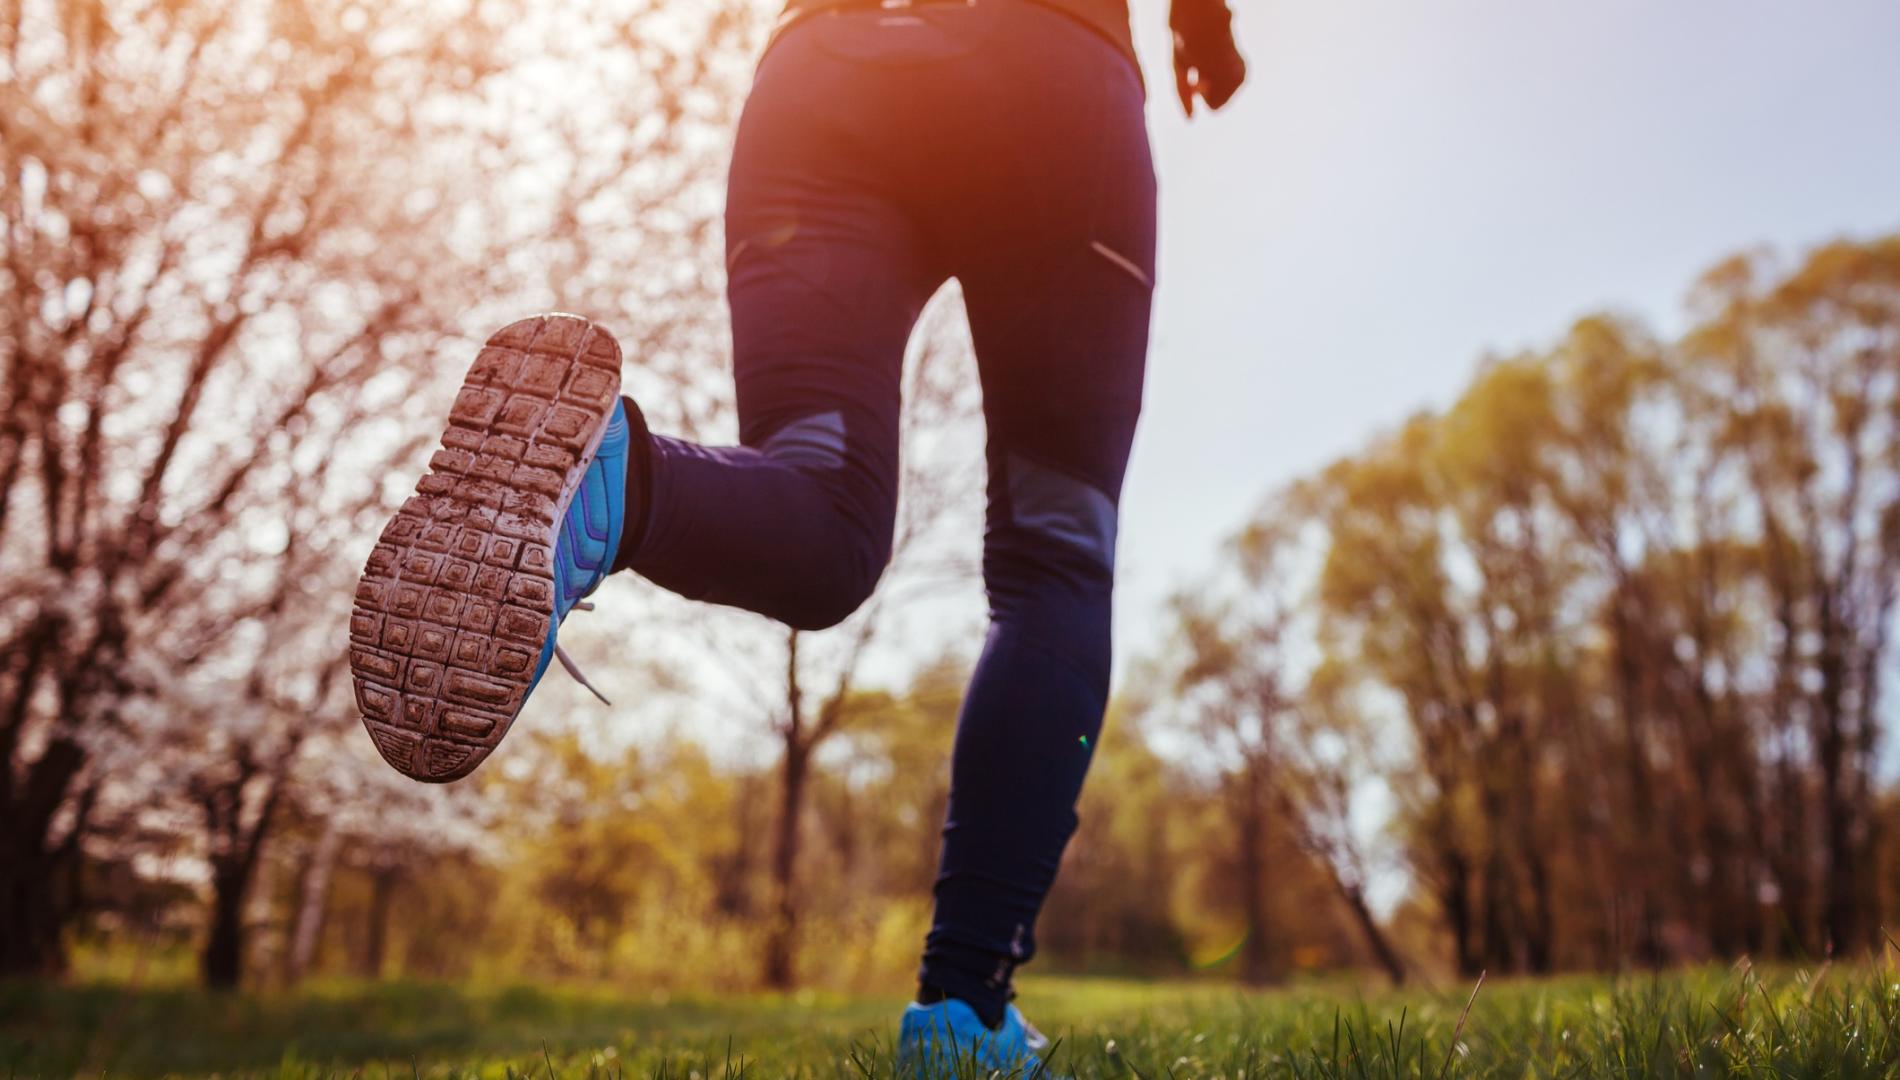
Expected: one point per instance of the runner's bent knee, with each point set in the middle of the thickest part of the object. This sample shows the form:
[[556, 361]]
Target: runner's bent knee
[[848, 544], [838, 575]]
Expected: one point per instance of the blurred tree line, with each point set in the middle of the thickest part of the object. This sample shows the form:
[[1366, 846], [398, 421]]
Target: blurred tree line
[[1611, 630], [1583, 671]]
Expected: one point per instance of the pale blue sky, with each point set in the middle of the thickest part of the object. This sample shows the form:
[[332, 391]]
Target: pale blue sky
[[1406, 184]]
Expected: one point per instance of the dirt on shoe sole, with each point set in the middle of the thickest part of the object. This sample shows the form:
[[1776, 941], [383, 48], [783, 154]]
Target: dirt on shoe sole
[[457, 601]]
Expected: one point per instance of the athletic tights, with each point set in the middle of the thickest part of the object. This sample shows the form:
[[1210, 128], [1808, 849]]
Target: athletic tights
[[882, 152]]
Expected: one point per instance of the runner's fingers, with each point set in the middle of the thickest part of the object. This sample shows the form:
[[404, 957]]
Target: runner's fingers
[[1183, 75], [1213, 79], [1218, 82]]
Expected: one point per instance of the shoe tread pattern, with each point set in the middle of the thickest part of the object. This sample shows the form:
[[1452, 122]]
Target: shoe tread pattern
[[457, 600]]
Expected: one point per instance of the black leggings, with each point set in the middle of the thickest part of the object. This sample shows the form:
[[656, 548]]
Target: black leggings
[[881, 153]]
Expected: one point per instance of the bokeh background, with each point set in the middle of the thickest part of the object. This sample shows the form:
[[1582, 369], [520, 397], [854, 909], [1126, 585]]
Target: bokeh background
[[1512, 547]]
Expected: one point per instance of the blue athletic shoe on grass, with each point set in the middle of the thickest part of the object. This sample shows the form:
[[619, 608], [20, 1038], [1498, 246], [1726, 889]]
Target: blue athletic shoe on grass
[[947, 1039], [517, 521]]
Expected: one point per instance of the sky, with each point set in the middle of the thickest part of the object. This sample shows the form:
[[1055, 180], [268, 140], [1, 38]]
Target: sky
[[1406, 185]]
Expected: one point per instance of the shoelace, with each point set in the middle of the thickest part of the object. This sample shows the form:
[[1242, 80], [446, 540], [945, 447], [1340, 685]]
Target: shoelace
[[573, 669]]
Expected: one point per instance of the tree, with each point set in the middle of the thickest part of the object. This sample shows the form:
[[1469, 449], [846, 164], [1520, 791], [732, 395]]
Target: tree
[[148, 382], [237, 238], [1385, 595], [1633, 599], [1287, 748], [1807, 369]]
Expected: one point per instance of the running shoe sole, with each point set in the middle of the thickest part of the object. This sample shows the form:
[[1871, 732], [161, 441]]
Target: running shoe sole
[[457, 602]]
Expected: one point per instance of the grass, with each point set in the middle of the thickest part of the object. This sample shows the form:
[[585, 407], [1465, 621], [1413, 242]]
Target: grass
[[1730, 1023]]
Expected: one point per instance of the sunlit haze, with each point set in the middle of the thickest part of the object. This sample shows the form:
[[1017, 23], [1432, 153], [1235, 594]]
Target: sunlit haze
[[1506, 581], [1405, 186]]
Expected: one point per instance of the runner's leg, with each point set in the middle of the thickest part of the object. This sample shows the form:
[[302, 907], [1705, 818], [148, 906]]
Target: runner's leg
[[1059, 297], [827, 277]]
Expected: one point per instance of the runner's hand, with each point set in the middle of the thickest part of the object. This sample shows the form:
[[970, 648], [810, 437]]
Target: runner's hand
[[1207, 63]]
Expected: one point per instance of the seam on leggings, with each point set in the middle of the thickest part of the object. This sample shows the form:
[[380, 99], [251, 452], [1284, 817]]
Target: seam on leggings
[[816, 441], [776, 236], [1124, 262], [1062, 507]]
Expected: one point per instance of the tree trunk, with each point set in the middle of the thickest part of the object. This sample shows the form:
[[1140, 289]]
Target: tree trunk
[[1497, 917], [1460, 912], [221, 965], [33, 910], [1540, 933], [1256, 968], [235, 856], [782, 940], [1638, 847], [30, 915], [1840, 868], [313, 903], [382, 893], [1382, 949]]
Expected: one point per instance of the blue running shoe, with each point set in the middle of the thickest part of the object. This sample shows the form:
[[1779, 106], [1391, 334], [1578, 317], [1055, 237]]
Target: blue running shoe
[[517, 521], [945, 1039]]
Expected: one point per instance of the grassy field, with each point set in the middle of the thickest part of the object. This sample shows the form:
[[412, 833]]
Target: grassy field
[[1837, 1022]]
